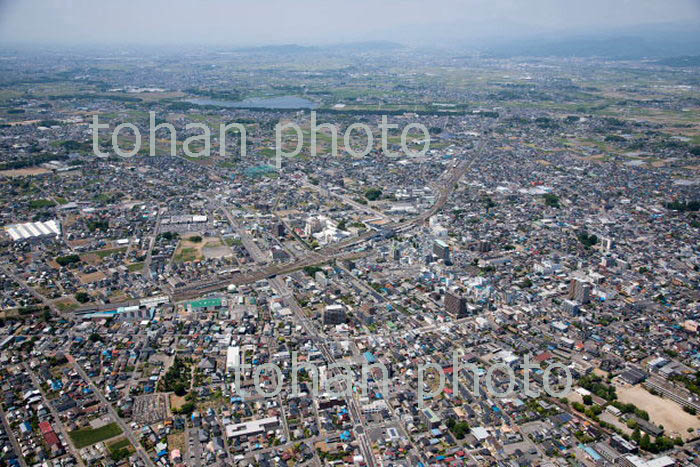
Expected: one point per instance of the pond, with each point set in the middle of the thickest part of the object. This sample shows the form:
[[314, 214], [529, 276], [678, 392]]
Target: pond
[[277, 102]]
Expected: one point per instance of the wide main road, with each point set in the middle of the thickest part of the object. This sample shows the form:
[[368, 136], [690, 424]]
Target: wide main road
[[288, 297], [330, 253]]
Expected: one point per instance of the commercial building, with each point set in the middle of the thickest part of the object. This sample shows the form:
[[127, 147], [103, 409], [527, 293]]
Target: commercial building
[[207, 304], [186, 219], [252, 428], [233, 357], [430, 418], [395, 252], [636, 461]]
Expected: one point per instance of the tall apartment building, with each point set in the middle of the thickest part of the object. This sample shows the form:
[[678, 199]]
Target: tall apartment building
[[441, 250], [334, 314], [579, 291], [455, 304]]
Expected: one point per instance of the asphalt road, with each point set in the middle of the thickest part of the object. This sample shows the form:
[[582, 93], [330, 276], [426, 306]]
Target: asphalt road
[[332, 252], [125, 428], [283, 291], [13, 440], [57, 419]]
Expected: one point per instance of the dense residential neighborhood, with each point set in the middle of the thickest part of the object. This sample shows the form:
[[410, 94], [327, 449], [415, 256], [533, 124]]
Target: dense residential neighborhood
[[518, 286]]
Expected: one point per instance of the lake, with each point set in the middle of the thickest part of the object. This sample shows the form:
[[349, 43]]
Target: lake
[[278, 102]]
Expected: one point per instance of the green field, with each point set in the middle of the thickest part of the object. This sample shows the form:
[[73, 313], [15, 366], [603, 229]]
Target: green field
[[40, 203], [66, 306], [110, 252], [233, 241], [117, 445], [186, 255], [88, 436]]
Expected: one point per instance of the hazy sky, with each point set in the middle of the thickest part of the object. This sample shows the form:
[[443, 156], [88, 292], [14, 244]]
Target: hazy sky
[[254, 22]]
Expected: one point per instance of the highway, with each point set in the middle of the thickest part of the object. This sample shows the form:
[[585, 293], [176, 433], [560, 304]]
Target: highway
[[248, 242]]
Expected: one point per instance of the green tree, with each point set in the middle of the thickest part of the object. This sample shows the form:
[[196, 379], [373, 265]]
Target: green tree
[[373, 194], [636, 435], [551, 200], [82, 297], [67, 260]]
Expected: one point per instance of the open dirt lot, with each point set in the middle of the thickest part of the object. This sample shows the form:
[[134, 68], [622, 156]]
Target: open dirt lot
[[574, 396], [661, 411], [176, 401], [92, 277], [188, 251], [27, 172], [177, 441], [214, 248]]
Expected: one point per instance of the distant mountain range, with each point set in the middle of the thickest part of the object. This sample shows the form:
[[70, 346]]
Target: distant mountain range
[[684, 61], [667, 44], [351, 46], [650, 41], [654, 42]]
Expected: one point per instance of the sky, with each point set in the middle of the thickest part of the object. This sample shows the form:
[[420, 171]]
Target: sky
[[307, 22]]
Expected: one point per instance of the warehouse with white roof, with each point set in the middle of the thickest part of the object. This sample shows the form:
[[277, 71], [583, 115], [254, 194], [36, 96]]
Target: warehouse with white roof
[[33, 230]]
